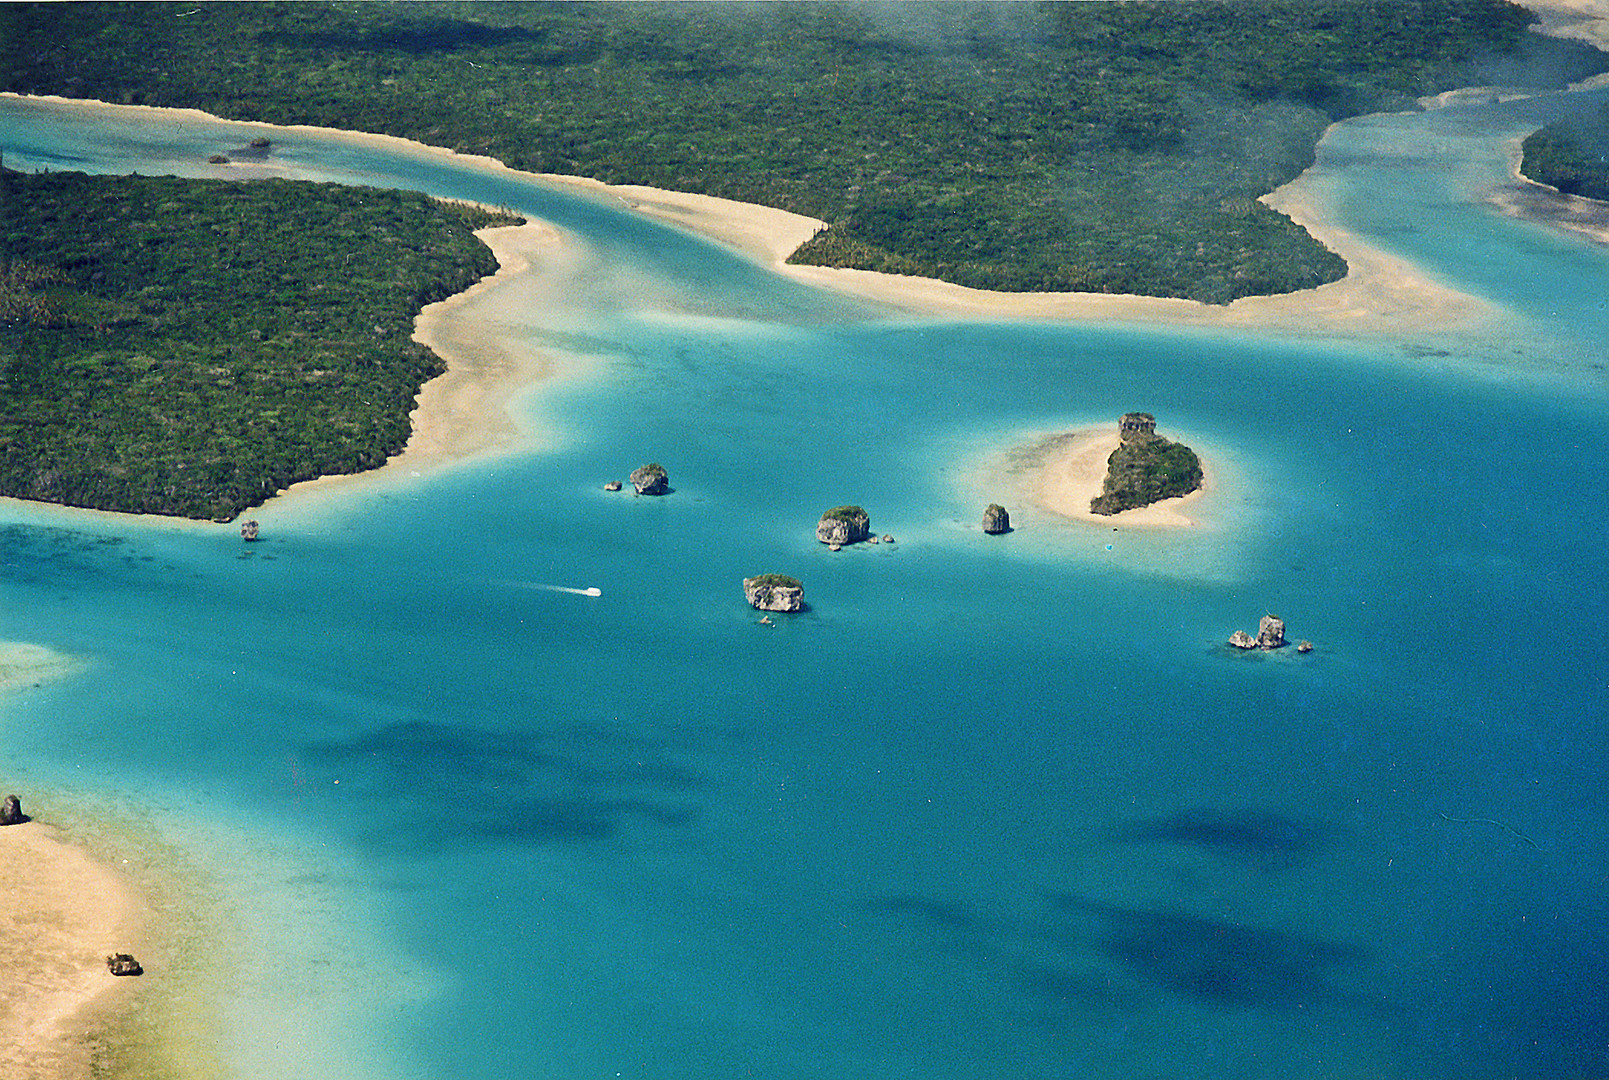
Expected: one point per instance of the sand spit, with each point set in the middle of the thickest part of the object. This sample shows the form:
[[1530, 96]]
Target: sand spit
[[64, 914], [1061, 473]]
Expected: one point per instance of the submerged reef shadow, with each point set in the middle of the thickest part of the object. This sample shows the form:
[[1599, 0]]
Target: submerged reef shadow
[[531, 787], [1220, 961], [1259, 839]]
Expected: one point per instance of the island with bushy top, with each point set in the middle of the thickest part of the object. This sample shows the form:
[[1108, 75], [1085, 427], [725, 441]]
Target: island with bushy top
[[1145, 468]]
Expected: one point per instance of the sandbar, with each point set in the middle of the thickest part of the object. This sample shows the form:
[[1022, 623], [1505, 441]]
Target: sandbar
[[1061, 473], [64, 913]]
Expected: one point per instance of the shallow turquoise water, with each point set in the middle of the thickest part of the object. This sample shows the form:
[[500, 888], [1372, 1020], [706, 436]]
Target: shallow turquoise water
[[994, 805]]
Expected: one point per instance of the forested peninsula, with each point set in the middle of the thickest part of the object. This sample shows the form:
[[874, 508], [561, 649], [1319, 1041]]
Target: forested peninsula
[[191, 347], [1097, 147], [1571, 155]]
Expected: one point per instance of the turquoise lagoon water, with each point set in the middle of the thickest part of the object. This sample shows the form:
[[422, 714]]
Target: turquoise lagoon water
[[994, 806]]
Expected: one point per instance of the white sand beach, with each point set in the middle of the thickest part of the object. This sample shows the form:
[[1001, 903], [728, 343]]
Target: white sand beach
[[64, 914], [1062, 472]]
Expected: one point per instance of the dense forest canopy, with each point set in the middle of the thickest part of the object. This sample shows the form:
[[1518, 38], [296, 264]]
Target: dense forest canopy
[[190, 347], [1111, 147], [1572, 155]]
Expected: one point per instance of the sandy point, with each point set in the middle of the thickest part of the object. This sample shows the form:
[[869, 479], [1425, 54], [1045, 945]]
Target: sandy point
[[64, 914]]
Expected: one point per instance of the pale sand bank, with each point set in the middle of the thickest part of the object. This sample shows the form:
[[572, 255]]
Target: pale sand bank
[[466, 414], [64, 913], [1062, 473], [1581, 20], [1547, 205]]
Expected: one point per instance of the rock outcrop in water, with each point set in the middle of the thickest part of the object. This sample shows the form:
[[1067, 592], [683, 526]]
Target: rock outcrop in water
[[1145, 468], [774, 592], [11, 811], [843, 525], [650, 479], [996, 520], [1270, 635]]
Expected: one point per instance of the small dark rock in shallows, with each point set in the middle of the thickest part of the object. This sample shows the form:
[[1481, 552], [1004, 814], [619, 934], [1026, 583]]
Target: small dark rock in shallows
[[11, 811], [123, 964]]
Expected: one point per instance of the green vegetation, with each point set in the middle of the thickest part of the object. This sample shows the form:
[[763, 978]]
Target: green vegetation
[[772, 581], [1016, 146], [852, 514], [1571, 155], [1142, 471], [190, 347]]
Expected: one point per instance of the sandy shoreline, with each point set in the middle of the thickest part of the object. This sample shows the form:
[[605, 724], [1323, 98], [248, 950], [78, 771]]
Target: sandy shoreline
[[1060, 473], [64, 914], [466, 416]]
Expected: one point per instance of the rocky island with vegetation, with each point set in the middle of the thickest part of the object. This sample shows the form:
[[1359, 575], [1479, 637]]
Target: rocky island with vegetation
[[1145, 468], [774, 592], [192, 347], [843, 525]]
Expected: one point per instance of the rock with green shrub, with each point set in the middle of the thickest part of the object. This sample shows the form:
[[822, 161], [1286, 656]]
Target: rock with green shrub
[[1145, 468], [844, 525], [774, 592]]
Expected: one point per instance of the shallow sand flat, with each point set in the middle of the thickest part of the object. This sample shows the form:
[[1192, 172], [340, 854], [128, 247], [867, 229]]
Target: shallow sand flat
[[1061, 473], [1543, 203], [64, 913]]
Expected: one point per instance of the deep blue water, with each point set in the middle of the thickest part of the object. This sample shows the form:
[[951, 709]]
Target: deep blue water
[[992, 806]]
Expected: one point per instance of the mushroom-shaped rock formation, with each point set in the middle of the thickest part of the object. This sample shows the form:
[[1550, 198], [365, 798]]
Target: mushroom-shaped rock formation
[[123, 964], [774, 592], [996, 520], [651, 479], [11, 811], [843, 525], [1145, 468]]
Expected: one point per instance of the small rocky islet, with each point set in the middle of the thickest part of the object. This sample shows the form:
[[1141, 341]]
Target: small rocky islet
[[1270, 636], [844, 525], [1145, 468], [774, 592]]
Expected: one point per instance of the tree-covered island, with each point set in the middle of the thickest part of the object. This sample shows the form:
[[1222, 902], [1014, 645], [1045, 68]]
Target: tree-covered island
[[1105, 147], [1145, 468], [190, 347]]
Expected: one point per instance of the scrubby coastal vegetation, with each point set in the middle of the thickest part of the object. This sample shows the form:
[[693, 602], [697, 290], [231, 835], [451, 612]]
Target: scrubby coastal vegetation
[[190, 347], [1571, 155], [1094, 147], [1145, 468]]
